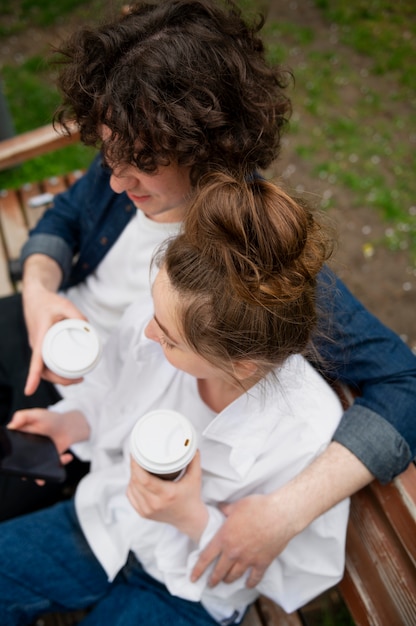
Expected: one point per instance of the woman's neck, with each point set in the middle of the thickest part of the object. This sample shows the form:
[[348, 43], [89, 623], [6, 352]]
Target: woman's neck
[[217, 393]]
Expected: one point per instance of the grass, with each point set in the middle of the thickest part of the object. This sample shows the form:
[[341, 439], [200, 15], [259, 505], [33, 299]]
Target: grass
[[382, 29], [28, 83], [363, 122], [18, 15], [385, 32], [32, 98]]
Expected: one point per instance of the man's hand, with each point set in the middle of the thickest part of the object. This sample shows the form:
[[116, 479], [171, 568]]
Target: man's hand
[[42, 308], [250, 538], [259, 527], [51, 308]]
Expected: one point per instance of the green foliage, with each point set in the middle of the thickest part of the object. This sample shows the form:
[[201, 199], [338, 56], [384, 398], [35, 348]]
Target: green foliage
[[18, 15], [29, 85], [383, 29], [31, 95], [72, 158], [363, 122]]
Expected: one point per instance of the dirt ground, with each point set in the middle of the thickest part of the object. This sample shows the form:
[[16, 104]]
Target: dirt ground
[[385, 282]]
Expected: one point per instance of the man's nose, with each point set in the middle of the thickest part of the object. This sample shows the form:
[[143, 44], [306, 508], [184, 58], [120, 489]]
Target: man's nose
[[122, 183]]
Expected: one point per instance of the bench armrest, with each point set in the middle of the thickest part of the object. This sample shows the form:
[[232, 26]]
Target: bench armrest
[[34, 143]]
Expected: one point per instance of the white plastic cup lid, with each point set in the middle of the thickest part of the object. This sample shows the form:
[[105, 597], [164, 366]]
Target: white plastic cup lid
[[163, 442], [71, 348]]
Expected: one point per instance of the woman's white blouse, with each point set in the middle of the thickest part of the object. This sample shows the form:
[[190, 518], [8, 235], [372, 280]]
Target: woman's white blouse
[[257, 444]]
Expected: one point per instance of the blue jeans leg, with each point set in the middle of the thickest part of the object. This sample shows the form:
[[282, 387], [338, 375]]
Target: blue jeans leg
[[46, 565], [136, 598]]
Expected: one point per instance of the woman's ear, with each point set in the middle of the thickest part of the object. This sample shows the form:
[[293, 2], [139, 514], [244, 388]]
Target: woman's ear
[[244, 369]]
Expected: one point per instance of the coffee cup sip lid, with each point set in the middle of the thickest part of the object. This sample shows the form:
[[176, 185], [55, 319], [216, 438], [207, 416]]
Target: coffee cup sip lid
[[163, 441], [71, 348]]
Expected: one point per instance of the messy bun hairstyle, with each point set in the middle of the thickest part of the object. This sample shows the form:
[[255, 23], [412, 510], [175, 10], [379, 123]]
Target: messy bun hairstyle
[[245, 269]]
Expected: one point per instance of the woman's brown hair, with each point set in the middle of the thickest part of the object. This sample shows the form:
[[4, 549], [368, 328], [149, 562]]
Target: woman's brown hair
[[245, 269]]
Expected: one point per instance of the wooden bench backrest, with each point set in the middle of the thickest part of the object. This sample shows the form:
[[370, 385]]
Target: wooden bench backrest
[[379, 586], [17, 215]]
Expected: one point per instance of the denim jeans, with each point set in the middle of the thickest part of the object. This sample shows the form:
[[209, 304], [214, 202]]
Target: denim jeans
[[46, 565]]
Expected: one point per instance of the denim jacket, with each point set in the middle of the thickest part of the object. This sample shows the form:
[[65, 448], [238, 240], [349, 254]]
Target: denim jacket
[[360, 352]]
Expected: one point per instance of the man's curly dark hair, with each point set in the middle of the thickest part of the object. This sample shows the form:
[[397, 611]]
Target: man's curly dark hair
[[182, 81]]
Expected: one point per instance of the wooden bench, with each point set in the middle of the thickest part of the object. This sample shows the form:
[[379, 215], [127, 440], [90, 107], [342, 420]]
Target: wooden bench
[[17, 215], [379, 586]]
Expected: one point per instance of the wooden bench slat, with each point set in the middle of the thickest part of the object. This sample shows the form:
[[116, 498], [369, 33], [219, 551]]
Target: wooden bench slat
[[12, 222], [380, 579], [398, 501], [264, 612], [28, 191], [34, 143], [55, 185], [72, 177], [273, 615], [6, 286], [252, 617]]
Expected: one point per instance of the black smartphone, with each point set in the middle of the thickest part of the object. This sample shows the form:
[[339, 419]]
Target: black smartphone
[[30, 456]]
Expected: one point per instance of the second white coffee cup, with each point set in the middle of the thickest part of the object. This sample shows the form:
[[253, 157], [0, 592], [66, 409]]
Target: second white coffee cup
[[71, 348], [163, 442]]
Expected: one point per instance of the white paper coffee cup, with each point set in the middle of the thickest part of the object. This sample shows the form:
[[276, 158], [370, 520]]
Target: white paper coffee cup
[[163, 442], [71, 348]]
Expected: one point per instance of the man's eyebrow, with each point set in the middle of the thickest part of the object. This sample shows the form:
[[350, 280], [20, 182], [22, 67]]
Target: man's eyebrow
[[165, 331]]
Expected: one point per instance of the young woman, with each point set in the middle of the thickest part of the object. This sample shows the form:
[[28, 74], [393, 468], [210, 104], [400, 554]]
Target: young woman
[[233, 313]]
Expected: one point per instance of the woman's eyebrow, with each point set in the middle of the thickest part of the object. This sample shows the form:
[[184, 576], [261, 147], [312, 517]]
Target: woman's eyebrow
[[162, 328]]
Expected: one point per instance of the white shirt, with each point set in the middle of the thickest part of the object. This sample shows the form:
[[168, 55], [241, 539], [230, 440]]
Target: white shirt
[[123, 275], [257, 444]]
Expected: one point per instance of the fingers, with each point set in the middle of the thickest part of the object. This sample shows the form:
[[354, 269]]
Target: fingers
[[22, 419], [235, 571], [145, 502], [59, 380], [141, 479], [144, 490], [226, 570], [223, 568], [37, 370], [54, 308], [256, 574], [35, 373], [66, 458], [207, 556]]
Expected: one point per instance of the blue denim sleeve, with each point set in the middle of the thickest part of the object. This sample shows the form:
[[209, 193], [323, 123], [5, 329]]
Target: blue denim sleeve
[[59, 232], [359, 351], [54, 247]]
